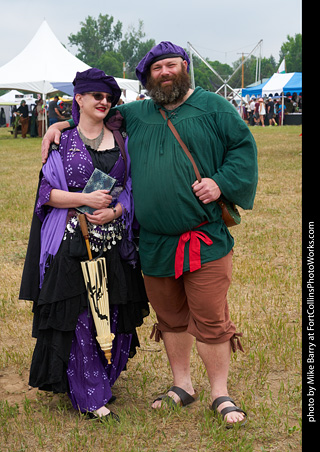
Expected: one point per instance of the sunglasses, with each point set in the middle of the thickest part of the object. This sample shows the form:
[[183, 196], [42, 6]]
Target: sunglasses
[[100, 96]]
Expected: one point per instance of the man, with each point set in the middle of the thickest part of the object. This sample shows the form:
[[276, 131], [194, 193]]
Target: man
[[53, 111], [251, 111], [24, 118], [270, 112], [187, 280]]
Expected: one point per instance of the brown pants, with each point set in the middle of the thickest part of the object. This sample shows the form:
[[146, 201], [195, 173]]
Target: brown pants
[[24, 126], [196, 302], [41, 128]]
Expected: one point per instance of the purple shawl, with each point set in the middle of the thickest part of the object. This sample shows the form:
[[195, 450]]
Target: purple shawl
[[54, 223]]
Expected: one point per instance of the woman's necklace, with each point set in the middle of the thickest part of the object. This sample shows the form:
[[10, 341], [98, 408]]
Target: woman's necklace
[[94, 143]]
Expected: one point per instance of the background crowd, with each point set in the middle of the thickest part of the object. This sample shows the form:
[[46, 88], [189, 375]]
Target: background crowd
[[31, 119], [265, 111], [258, 111]]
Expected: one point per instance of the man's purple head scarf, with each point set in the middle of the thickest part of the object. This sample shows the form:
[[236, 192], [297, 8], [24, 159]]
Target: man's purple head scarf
[[93, 80], [161, 51]]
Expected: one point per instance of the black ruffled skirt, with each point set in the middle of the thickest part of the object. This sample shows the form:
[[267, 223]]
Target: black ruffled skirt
[[63, 298]]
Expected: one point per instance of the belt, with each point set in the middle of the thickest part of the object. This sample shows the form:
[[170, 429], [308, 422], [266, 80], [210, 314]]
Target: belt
[[194, 250]]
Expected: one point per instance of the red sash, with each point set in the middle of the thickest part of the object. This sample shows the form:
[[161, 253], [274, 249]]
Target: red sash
[[194, 250]]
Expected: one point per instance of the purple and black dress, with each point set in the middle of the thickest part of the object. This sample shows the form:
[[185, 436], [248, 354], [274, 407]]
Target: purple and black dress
[[67, 357]]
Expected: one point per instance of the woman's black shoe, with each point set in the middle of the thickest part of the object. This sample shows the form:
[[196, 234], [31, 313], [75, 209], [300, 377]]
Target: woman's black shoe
[[106, 418]]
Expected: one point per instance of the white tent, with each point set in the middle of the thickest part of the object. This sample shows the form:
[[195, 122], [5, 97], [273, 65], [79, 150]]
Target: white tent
[[13, 97], [44, 62], [277, 84]]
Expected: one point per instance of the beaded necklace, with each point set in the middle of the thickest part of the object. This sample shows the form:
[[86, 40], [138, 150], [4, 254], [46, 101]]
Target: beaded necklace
[[94, 143]]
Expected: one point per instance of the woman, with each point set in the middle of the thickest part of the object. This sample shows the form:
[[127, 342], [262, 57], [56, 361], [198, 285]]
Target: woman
[[262, 111], [256, 115], [66, 356], [41, 118]]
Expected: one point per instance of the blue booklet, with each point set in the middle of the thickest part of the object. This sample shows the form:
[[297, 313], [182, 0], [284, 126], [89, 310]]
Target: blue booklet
[[98, 181]]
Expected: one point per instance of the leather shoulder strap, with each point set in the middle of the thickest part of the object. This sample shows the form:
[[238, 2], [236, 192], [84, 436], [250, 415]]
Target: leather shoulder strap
[[184, 147]]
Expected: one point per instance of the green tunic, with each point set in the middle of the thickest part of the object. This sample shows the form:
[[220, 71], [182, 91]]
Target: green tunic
[[162, 175]]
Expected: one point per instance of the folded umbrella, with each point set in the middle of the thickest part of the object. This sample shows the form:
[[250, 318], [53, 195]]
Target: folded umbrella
[[95, 277]]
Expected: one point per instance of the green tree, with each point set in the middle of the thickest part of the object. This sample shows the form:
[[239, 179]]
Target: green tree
[[291, 50], [111, 63], [268, 68], [133, 48], [204, 77], [96, 36], [100, 44]]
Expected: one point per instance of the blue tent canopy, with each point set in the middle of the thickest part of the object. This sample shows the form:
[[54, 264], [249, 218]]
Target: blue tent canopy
[[254, 90], [294, 85], [278, 83], [64, 87]]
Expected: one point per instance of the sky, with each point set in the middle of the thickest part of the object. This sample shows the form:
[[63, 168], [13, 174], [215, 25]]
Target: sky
[[218, 29]]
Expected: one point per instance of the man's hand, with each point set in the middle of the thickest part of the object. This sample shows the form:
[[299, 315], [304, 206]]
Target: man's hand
[[52, 135], [206, 190]]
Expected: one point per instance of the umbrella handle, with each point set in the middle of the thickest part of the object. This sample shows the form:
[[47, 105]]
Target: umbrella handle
[[85, 233]]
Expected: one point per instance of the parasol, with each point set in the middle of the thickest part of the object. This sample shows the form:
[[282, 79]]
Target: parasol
[[95, 277]]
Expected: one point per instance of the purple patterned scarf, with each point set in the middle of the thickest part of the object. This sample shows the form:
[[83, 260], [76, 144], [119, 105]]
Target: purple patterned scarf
[[54, 223]]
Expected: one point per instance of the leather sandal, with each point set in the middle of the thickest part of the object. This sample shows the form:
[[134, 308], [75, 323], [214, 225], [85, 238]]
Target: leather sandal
[[185, 397], [218, 401]]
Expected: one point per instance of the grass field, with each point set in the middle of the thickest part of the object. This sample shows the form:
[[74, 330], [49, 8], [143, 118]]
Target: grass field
[[265, 304]]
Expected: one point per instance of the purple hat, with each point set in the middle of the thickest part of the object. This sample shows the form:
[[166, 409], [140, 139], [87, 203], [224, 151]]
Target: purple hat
[[161, 51], [93, 80]]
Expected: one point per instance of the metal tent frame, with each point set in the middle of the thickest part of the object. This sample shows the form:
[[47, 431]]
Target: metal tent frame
[[225, 84]]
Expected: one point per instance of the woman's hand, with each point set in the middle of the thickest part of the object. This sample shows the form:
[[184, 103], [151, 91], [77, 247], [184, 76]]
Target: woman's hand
[[61, 199], [99, 199], [101, 216], [207, 190]]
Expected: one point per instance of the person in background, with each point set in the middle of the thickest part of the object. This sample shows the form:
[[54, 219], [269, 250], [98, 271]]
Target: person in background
[[53, 111], [23, 112], [236, 106], [33, 129], [262, 111], [67, 357], [251, 111], [256, 112], [288, 103], [2, 117], [280, 112], [271, 113], [41, 118]]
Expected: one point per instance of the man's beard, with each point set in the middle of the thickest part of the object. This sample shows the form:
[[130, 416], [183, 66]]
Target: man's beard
[[171, 94]]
